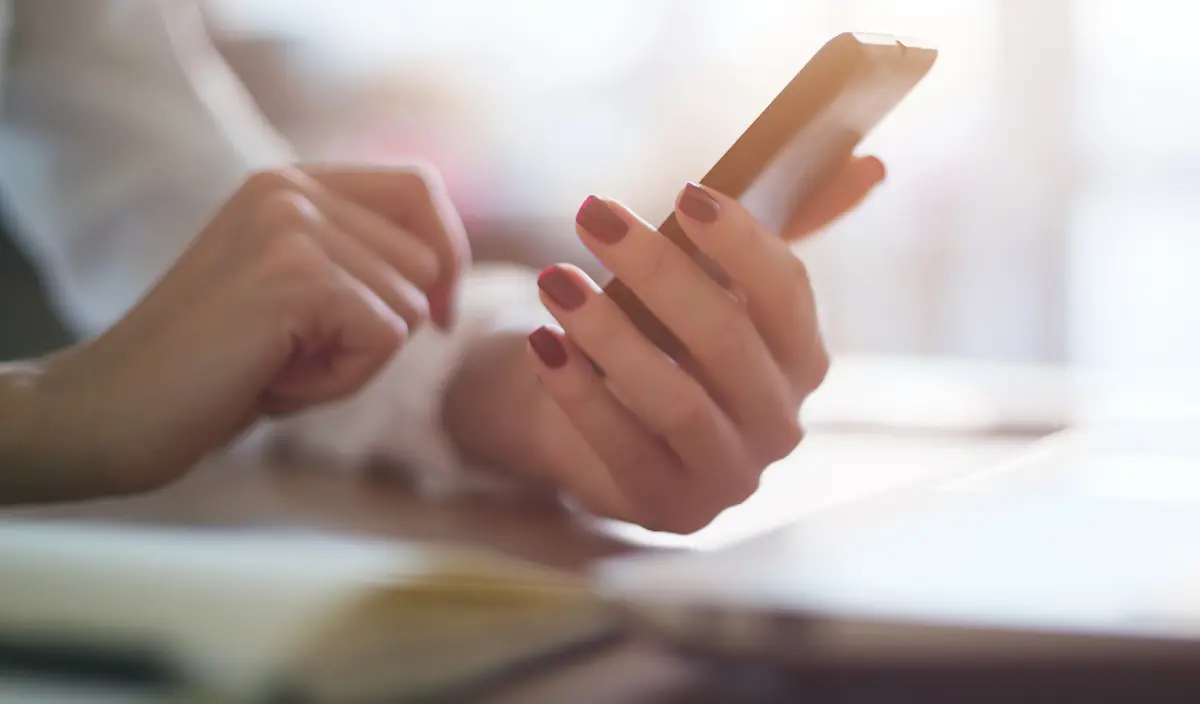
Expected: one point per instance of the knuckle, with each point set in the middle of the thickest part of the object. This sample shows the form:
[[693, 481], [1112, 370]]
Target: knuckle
[[575, 398], [642, 459], [580, 395], [815, 368], [790, 437], [686, 413], [295, 273], [728, 337], [654, 262], [586, 401], [293, 255], [739, 240], [742, 488], [740, 480], [781, 442], [261, 183], [604, 336], [686, 513], [312, 291], [282, 210]]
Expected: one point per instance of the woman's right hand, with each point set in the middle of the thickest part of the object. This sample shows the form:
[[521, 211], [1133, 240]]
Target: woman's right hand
[[670, 439], [297, 292]]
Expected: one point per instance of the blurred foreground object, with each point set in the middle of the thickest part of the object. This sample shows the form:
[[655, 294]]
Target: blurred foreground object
[[256, 616]]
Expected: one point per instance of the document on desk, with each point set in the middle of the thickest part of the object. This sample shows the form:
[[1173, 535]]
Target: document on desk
[[256, 616]]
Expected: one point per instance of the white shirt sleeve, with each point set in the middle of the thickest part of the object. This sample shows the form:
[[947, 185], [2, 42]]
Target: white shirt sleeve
[[121, 131]]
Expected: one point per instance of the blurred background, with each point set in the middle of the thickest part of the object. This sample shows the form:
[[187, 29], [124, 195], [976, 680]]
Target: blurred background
[[1044, 180]]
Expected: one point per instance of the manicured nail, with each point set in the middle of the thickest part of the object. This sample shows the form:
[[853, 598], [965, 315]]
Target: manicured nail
[[600, 221], [698, 205], [548, 347], [562, 288]]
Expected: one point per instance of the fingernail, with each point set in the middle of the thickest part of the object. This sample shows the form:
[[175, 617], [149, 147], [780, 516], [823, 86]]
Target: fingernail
[[562, 288], [548, 347], [698, 205], [600, 221]]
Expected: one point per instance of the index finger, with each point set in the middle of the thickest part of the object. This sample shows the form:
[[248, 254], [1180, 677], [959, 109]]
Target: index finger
[[415, 198]]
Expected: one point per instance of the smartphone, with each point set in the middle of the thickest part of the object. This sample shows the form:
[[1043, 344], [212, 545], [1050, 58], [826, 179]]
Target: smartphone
[[803, 137]]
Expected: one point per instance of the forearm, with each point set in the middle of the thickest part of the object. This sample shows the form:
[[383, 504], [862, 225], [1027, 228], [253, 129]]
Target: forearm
[[40, 453]]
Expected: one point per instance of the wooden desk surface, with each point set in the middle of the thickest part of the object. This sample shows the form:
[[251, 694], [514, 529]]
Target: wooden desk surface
[[829, 468]]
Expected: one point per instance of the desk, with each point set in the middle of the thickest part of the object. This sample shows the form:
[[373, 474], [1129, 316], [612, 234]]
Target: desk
[[828, 469]]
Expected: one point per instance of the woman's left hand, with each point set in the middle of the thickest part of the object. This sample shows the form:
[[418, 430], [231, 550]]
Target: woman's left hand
[[671, 445]]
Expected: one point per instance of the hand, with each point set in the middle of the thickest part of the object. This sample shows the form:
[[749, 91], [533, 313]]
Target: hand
[[671, 445], [296, 293]]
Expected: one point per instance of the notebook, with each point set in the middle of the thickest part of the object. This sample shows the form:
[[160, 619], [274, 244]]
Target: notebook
[[276, 616]]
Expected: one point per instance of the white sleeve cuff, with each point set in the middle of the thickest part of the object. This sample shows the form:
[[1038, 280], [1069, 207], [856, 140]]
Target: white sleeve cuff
[[396, 421]]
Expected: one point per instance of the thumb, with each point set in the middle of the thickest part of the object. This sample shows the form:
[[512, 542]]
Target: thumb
[[840, 195]]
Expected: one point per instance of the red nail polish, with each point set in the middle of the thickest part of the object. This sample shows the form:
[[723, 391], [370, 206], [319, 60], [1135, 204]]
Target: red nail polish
[[698, 205], [548, 347], [562, 288], [600, 221]]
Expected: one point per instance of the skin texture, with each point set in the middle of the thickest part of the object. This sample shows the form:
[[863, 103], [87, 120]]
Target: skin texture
[[664, 445], [296, 293], [308, 280]]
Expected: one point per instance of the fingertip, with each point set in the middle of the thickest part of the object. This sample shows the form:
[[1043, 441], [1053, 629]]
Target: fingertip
[[604, 220], [697, 203], [565, 286], [547, 346], [875, 167]]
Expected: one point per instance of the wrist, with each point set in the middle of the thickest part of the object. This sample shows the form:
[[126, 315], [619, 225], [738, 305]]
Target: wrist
[[38, 443], [60, 433], [20, 405]]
